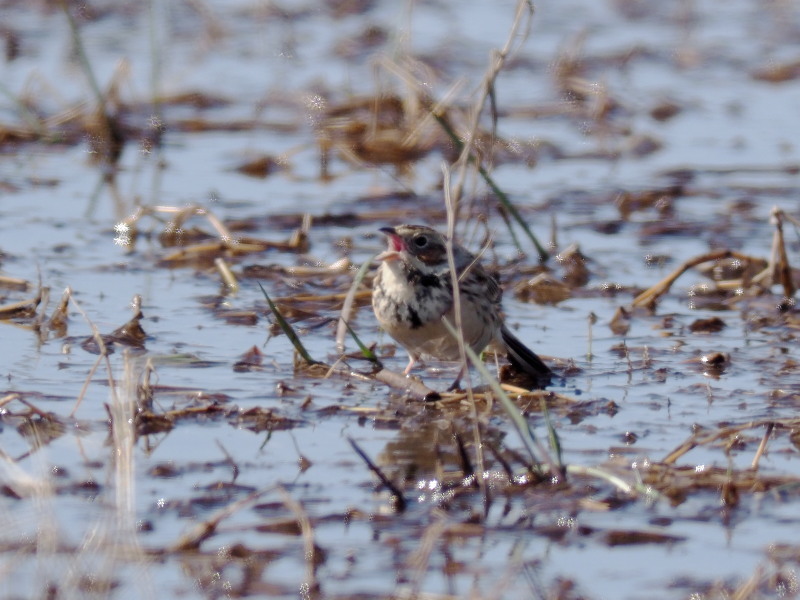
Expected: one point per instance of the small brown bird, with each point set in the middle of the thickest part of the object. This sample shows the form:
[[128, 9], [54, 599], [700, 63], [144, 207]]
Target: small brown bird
[[413, 290]]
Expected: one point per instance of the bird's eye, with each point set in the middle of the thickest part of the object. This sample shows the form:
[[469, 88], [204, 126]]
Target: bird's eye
[[420, 241]]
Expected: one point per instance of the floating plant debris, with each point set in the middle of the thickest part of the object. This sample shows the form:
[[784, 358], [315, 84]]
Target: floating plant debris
[[208, 444]]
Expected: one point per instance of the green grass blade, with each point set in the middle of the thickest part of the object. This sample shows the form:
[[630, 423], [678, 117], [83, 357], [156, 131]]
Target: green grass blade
[[83, 58], [349, 302], [639, 489], [288, 330], [368, 354], [501, 195], [552, 436], [519, 422]]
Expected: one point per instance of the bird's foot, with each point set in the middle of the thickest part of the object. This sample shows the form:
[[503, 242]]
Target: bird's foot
[[455, 386]]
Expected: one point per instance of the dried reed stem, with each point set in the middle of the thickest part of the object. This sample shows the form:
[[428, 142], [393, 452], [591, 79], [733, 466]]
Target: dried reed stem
[[103, 356], [487, 89], [779, 260], [311, 584], [653, 293], [455, 278], [762, 446]]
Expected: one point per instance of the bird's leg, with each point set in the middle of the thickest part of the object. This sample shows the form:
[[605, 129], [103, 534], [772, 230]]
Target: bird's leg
[[412, 360], [457, 383]]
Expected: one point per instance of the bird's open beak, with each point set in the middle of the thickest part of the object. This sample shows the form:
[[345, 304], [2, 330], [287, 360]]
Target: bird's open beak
[[396, 245]]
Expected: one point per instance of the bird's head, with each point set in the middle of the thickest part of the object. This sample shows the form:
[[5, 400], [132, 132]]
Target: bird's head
[[415, 246]]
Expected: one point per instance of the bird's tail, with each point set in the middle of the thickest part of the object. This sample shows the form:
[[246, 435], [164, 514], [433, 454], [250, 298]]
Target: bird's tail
[[524, 358]]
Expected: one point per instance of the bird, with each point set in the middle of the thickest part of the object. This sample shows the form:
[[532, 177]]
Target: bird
[[413, 290]]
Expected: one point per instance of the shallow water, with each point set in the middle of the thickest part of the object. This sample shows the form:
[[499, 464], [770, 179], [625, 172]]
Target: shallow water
[[730, 147]]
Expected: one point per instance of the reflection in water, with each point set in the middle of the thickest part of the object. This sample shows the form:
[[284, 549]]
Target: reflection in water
[[273, 142]]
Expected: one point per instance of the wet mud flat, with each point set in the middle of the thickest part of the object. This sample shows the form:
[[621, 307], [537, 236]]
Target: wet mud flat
[[628, 171]]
